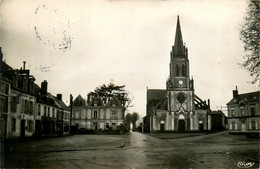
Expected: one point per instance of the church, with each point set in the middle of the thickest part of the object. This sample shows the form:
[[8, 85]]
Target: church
[[176, 108]]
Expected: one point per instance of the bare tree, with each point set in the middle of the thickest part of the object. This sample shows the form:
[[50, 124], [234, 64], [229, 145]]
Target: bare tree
[[134, 118], [128, 120], [250, 35]]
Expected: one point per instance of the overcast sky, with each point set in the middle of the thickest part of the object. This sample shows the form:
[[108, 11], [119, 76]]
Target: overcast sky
[[77, 45]]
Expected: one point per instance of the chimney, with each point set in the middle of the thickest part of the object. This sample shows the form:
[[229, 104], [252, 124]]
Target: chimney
[[209, 103], [59, 96], [24, 62], [235, 93], [44, 87]]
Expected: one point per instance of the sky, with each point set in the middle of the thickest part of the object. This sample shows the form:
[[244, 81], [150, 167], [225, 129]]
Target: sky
[[78, 45]]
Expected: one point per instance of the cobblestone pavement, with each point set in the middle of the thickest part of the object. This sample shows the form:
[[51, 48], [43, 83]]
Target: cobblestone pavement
[[135, 150]]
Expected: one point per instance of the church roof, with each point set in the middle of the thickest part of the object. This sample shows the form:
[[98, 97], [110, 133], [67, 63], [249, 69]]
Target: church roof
[[154, 96], [200, 104], [162, 104], [247, 97]]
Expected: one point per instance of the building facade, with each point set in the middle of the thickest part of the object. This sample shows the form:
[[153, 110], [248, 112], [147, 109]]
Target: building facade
[[4, 106], [244, 112], [51, 114], [95, 115], [217, 121], [63, 116], [177, 108], [21, 102], [25, 108]]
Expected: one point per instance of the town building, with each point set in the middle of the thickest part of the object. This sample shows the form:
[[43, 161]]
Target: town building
[[217, 121], [4, 100], [51, 114], [63, 116], [21, 101], [176, 108], [244, 112], [95, 115], [45, 111], [26, 109]]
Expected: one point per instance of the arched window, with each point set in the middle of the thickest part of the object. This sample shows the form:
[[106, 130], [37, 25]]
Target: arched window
[[177, 70], [183, 70]]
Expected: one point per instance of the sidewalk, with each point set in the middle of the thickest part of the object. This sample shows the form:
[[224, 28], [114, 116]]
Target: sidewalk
[[60, 144], [173, 136]]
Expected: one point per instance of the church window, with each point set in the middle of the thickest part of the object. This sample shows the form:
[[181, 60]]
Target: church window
[[95, 103], [177, 70], [181, 97], [183, 70]]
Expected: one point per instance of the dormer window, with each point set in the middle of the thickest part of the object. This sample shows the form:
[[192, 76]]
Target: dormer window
[[242, 111], [233, 113], [252, 111], [95, 103]]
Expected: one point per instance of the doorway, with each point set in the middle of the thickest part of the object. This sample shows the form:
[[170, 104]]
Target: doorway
[[38, 127], [95, 126], [22, 128], [181, 125], [162, 127], [201, 126]]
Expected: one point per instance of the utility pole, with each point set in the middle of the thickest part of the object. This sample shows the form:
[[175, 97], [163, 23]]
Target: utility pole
[[71, 102]]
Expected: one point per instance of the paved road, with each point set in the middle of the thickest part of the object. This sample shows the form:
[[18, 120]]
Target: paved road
[[135, 150]]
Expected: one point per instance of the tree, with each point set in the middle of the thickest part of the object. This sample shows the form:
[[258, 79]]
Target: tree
[[128, 121], [250, 35], [106, 92], [134, 118]]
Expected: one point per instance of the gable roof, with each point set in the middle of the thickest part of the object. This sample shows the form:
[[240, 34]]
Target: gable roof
[[61, 104], [6, 67], [96, 99], [247, 97], [114, 101], [79, 101]]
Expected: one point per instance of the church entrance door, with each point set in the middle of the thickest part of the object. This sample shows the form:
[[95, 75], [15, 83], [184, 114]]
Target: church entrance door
[[162, 127], [181, 125], [201, 126]]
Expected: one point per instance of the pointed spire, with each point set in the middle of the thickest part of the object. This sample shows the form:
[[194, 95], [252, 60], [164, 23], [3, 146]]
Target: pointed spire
[[178, 44]]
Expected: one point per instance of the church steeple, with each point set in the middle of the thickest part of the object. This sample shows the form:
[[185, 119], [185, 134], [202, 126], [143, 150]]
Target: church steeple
[[178, 49]]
